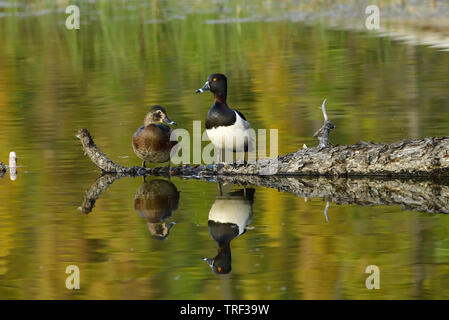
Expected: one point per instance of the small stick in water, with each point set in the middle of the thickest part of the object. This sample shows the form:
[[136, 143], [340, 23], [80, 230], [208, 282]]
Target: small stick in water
[[12, 165]]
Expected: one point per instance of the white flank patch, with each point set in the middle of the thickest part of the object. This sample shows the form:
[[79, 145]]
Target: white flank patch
[[236, 211], [230, 137]]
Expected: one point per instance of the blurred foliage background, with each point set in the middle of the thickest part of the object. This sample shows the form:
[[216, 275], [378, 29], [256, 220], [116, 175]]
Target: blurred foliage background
[[282, 58]]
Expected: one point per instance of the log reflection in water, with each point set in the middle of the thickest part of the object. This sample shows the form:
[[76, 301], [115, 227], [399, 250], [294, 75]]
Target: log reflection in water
[[102, 183], [415, 195], [155, 200]]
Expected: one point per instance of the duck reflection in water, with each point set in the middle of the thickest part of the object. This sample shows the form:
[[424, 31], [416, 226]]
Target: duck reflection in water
[[228, 218], [156, 200]]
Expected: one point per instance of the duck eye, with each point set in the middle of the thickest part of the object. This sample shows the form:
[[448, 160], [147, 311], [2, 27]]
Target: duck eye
[[214, 79]]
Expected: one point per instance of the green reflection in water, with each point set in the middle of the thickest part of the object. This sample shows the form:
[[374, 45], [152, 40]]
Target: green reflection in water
[[106, 75]]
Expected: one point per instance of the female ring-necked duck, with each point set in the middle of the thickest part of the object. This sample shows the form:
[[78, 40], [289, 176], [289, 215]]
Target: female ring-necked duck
[[226, 128], [151, 142], [156, 201]]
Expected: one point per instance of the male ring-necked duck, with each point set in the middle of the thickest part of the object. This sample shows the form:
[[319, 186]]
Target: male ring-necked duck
[[151, 142], [229, 217], [226, 128]]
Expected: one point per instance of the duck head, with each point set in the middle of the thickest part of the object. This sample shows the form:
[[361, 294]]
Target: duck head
[[160, 231], [221, 264], [216, 83], [157, 114]]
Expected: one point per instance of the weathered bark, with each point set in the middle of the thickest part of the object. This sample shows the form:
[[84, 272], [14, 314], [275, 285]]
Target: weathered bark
[[427, 158], [100, 160]]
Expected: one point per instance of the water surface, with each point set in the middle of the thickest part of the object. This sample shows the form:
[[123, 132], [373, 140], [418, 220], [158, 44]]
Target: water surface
[[105, 76]]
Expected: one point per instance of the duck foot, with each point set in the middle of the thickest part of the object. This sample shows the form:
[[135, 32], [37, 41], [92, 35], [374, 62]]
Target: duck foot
[[218, 166], [141, 171], [168, 171]]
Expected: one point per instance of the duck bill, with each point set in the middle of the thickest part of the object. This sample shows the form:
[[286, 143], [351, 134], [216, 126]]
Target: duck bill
[[170, 225], [206, 87], [209, 261], [169, 121]]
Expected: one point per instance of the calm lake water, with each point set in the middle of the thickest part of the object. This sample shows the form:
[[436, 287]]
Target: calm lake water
[[125, 58]]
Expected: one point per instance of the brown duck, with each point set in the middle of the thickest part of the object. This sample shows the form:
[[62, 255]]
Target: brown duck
[[151, 142], [156, 200]]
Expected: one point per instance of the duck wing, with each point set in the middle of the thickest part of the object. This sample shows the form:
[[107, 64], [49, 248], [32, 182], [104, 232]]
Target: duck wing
[[167, 131], [241, 115], [241, 120]]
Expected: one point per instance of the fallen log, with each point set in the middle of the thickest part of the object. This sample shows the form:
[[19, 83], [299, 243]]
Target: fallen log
[[424, 158]]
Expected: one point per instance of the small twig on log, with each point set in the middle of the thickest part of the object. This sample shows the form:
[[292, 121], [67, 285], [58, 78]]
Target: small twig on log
[[324, 132], [323, 108]]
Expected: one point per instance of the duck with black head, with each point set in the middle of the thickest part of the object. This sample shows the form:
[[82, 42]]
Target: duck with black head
[[229, 217], [151, 142], [227, 129]]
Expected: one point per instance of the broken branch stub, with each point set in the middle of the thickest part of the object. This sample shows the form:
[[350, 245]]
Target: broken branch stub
[[324, 132]]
